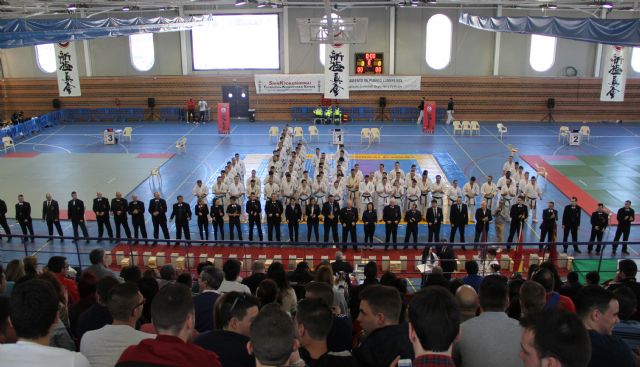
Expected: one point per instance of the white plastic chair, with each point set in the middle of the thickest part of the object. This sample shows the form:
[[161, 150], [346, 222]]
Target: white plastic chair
[[313, 131], [563, 134], [475, 126], [298, 133], [501, 129], [466, 126], [181, 144], [365, 133], [127, 132], [375, 134], [7, 143], [585, 131], [457, 126], [274, 132]]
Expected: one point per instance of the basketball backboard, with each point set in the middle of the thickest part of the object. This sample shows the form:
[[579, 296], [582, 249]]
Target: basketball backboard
[[345, 30]]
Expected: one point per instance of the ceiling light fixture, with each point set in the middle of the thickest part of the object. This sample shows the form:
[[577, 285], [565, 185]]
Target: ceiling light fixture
[[72, 7], [125, 8], [552, 6], [241, 2], [607, 5]]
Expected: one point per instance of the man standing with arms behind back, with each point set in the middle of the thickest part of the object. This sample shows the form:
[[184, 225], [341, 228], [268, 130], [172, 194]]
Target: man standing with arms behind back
[[571, 223], [101, 208], [136, 210], [75, 210], [158, 211], [625, 217], [23, 216], [119, 207], [51, 214], [3, 219], [182, 214]]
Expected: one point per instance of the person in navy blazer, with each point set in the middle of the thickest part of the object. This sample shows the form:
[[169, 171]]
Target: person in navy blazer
[[182, 214], [158, 210]]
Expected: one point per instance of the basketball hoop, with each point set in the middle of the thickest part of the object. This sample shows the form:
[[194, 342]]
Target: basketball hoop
[[346, 30]]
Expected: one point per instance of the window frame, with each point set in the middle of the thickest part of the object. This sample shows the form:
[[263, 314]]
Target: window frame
[[38, 50], [152, 49], [533, 43], [438, 64]]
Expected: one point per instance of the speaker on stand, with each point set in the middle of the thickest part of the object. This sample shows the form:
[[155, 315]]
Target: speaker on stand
[[382, 104], [551, 105], [151, 103]]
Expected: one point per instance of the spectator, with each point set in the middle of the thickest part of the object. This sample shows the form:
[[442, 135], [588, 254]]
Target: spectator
[[149, 288], [532, 270], [267, 292], [370, 278], [231, 282], [467, 300], [447, 259], [237, 312], [491, 264], [598, 310], [434, 324], [436, 278], [14, 270], [340, 265], [98, 267], [273, 338], [257, 276], [186, 280], [532, 297], [554, 338], [288, 299], [97, 315], [626, 277], [513, 310], [492, 338], [30, 266], [384, 337], [339, 338], [102, 347], [87, 290], [59, 336], [472, 278], [313, 322], [33, 311], [59, 266], [571, 287], [7, 333], [167, 275], [554, 299], [391, 279], [301, 275], [173, 318], [627, 329], [592, 278], [131, 274], [551, 266], [324, 274], [208, 283]]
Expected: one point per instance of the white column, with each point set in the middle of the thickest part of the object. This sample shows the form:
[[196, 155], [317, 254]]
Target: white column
[[392, 41], [496, 47], [3, 64], [183, 46], [597, 66], [87, 54], [285, 38]]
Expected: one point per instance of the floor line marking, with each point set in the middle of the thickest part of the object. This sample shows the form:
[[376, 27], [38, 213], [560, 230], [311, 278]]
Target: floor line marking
[[582, 182], [50, 145], [625, 150]]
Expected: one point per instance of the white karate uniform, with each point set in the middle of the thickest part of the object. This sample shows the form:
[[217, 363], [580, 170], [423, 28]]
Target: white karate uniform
[[304, 194], [532, 194], [338, 194], [220, 192], [288, 190], [508, 193], [200, 191], [367, 193], [254, 189], [470, 194], [413, 197], [237, 190], [258, 181], [437, 193], [425, 193], [383, 192], [319, 191], [270, 189], [453, 194], [509, 167], [488, 193]]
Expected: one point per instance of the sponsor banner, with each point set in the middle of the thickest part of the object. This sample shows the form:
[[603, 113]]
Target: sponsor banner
[[614, 76], [67, 73], [384, 82], [336, 72], [314, 83]]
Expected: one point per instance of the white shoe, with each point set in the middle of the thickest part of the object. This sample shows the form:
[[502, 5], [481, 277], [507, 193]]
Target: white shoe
[[535, 221]]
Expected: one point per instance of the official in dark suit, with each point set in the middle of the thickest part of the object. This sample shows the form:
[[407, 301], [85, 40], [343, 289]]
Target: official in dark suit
[[434, 218], [391, 216], [349, 218], [101, 207], [136, 211], [313, 219], [625, 216], [458, 217], [254, 212], [233, 212], [51, 214], [23, 216], [293, 213], [119, 207], [273, 208], [518, 214], [599, 223], [217, 218], [369, 219], [548, 226], [182, 214], [75, 211], [330, 213], [158, 211], [571, 224], [412, 217], [483, 220], [3, 220], [202, 214]]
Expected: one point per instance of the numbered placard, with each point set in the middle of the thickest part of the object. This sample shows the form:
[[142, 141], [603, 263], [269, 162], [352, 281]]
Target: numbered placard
[[574, 139], [109, 137], [338, 136]]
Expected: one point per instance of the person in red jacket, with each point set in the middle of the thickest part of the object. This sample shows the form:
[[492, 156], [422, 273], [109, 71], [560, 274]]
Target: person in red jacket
[[58, 265], [191, 110]]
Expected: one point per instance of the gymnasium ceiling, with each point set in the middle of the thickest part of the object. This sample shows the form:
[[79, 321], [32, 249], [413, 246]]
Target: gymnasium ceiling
[[127, 8]]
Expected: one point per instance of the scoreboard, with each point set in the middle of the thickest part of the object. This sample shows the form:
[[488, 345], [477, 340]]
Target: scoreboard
[[369, 63]]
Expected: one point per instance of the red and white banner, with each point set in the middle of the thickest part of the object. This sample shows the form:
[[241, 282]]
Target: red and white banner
[[67, 70]]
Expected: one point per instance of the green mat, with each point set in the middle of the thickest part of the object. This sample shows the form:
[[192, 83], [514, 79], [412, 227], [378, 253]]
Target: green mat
[[608, 268]]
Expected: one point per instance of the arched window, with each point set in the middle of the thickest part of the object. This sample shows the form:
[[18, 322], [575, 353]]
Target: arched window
[[46, 57], [321, 47], [542, 54], [635, 59], [142, 51], [438, 47]]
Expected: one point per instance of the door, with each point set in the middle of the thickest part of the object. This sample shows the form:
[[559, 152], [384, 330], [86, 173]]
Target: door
[[238, 98]]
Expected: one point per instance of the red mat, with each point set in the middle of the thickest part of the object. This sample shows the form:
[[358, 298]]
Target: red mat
[[155, 155], [20, 155]]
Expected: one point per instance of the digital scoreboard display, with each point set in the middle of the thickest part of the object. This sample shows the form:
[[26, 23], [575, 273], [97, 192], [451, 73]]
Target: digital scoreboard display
[[369, 63]]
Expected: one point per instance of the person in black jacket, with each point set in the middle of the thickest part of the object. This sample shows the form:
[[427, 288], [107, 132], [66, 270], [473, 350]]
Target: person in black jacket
[[599, 223], [182, 214], [136, 211], [483, 219], [571, 224], [23, 216], [369, 218], [412, 217], [233, 212], [391, 215], [458, 217], [101, 207], [348, 218], [518, 214], [158, 211], [548, 226], [273, 208], [447, 259], [202, 214], [254, 211], [217, 218], [3, 220], [75, 211], [51, 214], [625, 216], [119, 207], [330, 212], [434, 218], [313, 211], [293, 214]]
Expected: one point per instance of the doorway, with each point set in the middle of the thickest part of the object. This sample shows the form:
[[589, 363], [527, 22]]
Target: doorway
[[238, 98]]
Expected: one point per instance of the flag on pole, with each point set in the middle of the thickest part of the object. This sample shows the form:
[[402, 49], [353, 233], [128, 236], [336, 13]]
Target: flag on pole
[[553, 248]]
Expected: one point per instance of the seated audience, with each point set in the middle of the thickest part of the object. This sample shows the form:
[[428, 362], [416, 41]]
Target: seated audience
[[472, 278], [513, 310], [301, 275], [131, 274], [30, 266], [59, 336], [627, 329], [33, 312], [257, 275], [340, 265], [572, 286], [98, 314], [231, 282], [104, 346], [98, 267], [185, 279], [339, 338], [324, 274], [149, 288], [173, 318], [370, 278], [58, 265], [267, 292], [592, 278], [7, 333], [626, 277], [288, 299], [237, 312], [554, 299], [208, 283], [467, 300], [273, 339], [167, 275], [532, 297], [88, 298]]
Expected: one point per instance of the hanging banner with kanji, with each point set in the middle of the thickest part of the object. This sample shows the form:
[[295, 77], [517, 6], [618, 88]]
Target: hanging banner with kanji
[[336, 72], [614, 74], [67, 70]]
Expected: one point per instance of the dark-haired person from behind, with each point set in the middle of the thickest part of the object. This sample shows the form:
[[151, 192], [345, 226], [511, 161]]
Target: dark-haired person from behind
[[273, 338], [340, 335], [626, 277], [627, 329]]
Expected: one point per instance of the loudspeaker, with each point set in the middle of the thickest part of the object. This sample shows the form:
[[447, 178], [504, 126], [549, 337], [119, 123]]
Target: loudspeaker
[[382, 102], [56, 103], [551, 103], [151, 102]]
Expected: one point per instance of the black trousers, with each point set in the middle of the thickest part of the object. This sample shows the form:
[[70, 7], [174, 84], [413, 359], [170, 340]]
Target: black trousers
[[235, 223], [271, 226], [369, 231], [139, 228], [595, 236], [514, 230], [160, 223], [293, 231], [104, 222], [218, 226], [412, 231], [434, 233], [624, 232], [5, 226], [27, 225], [256, 223], [83, 226], [574, 237], [457, 228], [56, 223], [124, 223], [312, 226], [349, 231], [203, 227], [546, 232], [331, 225], [182, 227], [479, 231], [390, 233]]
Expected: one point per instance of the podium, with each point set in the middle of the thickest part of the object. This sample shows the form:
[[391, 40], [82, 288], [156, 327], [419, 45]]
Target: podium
[[429, 117], [223, 118]]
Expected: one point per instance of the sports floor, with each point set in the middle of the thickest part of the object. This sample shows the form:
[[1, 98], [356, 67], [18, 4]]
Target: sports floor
[[72, 157]]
